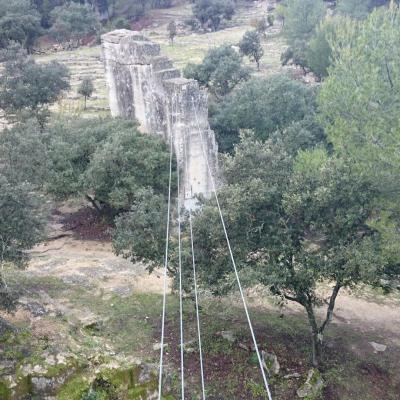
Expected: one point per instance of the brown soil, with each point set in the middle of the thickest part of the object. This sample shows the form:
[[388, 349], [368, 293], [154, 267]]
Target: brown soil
[[87, 224]]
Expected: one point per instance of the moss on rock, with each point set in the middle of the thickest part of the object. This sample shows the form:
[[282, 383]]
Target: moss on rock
[[136, 381], [75, 389], [5, 391]]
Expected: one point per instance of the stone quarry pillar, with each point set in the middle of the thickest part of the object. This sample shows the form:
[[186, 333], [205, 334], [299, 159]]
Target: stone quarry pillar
[[144, 85]]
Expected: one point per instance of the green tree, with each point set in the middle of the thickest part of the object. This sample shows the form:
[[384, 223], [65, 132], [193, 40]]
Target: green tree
[[291, 226], [359, 100], [21, 228], [23, 154], [301, 20], [106, 160], [301, 135], [121, 23], [72, 22], [127, 163], [221, 70], [319, 52], [19, 22], [354, 8], [212, 12], [172, 31], [262, 105], [359, 104], [69, 152], [27, 88], [281, 12], [250, 46], [261, 25], [360, 8], [86, 89], [139, 234]]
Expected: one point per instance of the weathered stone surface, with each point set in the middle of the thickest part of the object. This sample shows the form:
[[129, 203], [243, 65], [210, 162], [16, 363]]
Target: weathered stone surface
[[228, 335], [378, 347], [157, 346], [270, 363], [35, 308], [45, 378], [294, 375], [313, 385], [144, 85]]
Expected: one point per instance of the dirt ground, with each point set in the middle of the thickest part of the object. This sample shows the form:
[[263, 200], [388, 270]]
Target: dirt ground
[[82, 257], [79, 251]]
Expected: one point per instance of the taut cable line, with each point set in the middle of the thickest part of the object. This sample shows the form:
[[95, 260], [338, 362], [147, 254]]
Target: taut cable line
[[214, 189], [203, 390], [180, 282], [165, 270]]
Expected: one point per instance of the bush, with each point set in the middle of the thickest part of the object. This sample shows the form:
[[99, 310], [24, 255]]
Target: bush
[[73, 22], [27, 88], [106, 160], [263, 105], [212, 12], [19, 22], [220, 71]]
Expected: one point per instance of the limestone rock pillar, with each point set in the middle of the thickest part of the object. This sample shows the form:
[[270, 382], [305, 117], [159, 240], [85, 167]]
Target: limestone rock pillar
[[144, 85]]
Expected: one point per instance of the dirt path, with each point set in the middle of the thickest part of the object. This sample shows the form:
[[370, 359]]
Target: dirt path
[[375, 315], [89, 263]]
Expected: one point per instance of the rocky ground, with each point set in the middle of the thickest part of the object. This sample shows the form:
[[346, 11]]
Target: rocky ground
[[89, 320], [74, 289]]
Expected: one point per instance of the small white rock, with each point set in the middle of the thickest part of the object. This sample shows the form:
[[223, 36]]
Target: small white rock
[[378, 347]]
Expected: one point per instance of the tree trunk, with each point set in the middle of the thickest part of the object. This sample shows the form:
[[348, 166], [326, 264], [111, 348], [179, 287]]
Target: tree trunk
[[94, 203], [318, 332], [85, 103], [316, 336]]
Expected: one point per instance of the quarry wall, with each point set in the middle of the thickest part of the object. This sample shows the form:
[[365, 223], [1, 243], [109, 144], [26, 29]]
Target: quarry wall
[[144, 85]]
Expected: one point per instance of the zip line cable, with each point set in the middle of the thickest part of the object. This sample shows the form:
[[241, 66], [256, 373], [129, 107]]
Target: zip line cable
[[197, 308], [165, 271], [231, 256], [180, 285], [195, 288]]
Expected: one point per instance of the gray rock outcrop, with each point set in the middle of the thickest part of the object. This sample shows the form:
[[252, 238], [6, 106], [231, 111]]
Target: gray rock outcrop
[[312, 387], [144, 85]]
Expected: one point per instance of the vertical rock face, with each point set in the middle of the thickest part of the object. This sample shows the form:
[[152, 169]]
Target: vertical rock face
[[144, 85]]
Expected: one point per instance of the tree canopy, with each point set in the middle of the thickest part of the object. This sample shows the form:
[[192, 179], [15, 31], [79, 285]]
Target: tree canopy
[[360, 8], [263, 105], [221, 70], [86, 89], [19, 22], [302, 18], [250, 46], [213, 12], [106, 160], [73, 22], [21, 227], [27, 88], [292, 225], [319, 51], [359, 104]]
